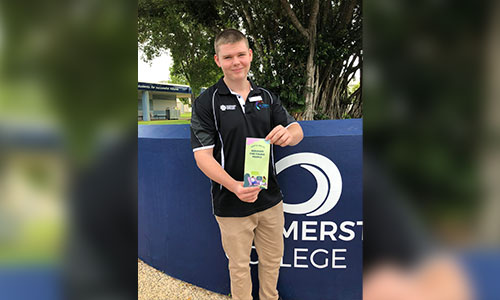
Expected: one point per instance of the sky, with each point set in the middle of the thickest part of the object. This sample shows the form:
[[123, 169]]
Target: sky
[[155, 71]]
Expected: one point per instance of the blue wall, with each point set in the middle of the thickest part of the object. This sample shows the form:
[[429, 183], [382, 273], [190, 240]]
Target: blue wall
[[323, 258]]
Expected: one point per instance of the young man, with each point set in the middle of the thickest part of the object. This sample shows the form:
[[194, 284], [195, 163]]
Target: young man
[[222, 118]]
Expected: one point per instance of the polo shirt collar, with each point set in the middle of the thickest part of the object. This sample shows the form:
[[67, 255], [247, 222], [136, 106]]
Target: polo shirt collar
[[224, 90]]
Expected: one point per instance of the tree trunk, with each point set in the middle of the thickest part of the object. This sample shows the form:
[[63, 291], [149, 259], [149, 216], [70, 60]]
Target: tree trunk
[[310, 92]]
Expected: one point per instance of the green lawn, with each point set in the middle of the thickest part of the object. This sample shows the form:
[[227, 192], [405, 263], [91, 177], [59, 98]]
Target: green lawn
[[185, 118], [164, 122]]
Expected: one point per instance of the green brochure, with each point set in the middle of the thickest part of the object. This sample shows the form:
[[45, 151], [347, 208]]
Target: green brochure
[[257, 153]]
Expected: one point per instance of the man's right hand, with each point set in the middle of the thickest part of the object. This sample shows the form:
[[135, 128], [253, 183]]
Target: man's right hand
[[210, 167], [246, 194]]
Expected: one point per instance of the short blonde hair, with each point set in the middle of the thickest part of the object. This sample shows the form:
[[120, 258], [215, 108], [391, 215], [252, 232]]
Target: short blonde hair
[[229, 36]]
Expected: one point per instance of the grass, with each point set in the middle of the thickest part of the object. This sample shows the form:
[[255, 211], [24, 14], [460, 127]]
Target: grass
[[164, 122], [185, 118]]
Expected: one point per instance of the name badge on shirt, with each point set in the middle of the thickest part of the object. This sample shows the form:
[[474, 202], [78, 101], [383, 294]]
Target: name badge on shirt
[[255, 99]]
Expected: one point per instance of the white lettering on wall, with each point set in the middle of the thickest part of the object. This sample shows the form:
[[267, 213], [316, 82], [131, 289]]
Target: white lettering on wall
[[350, 232], [306, 230], [335, 258], [292, 228], [323, 232], [296, 257], [314, 263]]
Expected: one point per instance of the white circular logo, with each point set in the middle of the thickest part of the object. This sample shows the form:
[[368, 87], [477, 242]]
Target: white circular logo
[[328, 187], [223, 107]]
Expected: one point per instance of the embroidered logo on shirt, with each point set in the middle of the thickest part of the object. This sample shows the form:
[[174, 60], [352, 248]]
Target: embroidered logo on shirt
[[227, 107], [259, 105]]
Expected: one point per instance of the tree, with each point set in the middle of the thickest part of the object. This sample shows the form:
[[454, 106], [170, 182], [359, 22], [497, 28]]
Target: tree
[[177, 78], [172, 25], [309, 68], [333, 37], [310, 34]]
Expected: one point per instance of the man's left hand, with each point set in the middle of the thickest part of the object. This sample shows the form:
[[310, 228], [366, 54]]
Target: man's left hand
[[279, 136]]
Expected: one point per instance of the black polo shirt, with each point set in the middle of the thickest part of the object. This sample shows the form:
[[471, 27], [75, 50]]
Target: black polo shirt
[[218, 122]]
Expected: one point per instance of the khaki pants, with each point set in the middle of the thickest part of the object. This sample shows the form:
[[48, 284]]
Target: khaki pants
[[265, 230]]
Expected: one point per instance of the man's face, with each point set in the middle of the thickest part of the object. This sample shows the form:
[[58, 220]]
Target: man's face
[[234, 60]]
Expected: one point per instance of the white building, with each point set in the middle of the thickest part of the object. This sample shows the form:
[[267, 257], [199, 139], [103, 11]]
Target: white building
[[162, 101]]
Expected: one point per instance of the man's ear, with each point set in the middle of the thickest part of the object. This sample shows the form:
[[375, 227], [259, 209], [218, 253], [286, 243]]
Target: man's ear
[[250, 53], [216, 58]]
